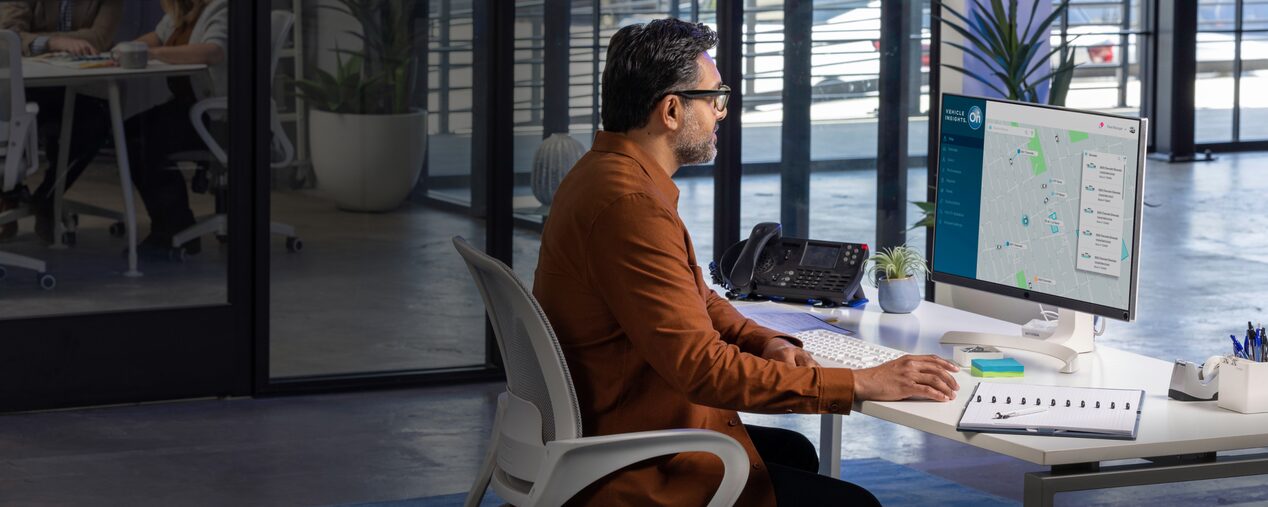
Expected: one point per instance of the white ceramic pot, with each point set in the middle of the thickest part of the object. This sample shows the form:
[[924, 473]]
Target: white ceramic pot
[[554, 158], [367, 162]]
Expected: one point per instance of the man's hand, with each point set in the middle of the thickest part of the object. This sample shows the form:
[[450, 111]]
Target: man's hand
[[779, 349], [71, 45], [907, 377]]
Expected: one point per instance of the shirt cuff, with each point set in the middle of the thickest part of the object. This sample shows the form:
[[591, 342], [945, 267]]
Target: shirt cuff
[[836, 390]]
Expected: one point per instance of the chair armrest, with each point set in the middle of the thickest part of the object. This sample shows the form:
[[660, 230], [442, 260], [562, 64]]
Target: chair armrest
[[573, 464], [196, 113]]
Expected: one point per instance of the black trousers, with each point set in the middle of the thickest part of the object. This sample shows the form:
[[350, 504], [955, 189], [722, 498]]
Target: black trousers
[[794, 470], [90, 133], [153, 136]]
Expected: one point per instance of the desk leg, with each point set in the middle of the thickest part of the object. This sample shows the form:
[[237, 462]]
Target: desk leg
[[125, 175], [830, 445], [62, 164]]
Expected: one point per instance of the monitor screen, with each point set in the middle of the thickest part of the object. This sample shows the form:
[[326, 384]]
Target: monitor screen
[[1040, 202]]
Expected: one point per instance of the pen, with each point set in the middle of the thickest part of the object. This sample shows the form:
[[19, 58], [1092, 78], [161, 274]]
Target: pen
[[1019, 413], [1237, 346], [1263, 346], [1249, 345]]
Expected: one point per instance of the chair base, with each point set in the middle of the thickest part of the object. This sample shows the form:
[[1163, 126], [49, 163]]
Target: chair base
[[219, 225]]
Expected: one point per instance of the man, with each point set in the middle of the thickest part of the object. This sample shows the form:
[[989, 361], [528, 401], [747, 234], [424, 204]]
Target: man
[[79, 27], [648, 344]]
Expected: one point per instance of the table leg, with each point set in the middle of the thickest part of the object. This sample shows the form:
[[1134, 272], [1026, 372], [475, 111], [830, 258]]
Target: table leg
[[125, 176], [830, 445], [62, 165]]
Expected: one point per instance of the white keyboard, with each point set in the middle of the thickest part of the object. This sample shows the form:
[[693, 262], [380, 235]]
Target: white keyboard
[[845, 349]]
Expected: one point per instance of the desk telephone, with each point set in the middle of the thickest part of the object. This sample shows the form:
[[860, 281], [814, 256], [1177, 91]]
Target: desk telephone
[[769, 266]]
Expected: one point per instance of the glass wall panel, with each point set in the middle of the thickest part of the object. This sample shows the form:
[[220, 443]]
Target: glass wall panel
[[378, 286], [1213, 99], [1216, 53], [71, 250], [1106, 37], [1254, 80]]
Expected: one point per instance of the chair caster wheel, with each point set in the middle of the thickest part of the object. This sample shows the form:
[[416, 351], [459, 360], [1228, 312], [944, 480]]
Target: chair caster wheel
[[118, 229], [294, 245], [47, 281], [176, 254]]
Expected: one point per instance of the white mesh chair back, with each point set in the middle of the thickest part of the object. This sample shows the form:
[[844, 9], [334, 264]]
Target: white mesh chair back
[[17, 141], [283, 152], [12, 95], [535, 367]]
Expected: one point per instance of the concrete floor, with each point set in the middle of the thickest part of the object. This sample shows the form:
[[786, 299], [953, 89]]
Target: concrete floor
[[365, 292]]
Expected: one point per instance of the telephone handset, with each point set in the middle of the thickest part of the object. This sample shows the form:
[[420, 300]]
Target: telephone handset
[[767, 265]]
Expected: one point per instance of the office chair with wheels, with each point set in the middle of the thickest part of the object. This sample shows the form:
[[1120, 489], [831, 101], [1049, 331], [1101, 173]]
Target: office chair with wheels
[[18, 147], [537, 455], [217, 159]]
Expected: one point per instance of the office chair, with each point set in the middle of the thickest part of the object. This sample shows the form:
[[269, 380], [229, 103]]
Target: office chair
[[282, 22], [18, 146], [537, 455]]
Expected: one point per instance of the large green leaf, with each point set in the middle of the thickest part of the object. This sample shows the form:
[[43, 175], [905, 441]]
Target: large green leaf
[[1061, 80], [976, 77]]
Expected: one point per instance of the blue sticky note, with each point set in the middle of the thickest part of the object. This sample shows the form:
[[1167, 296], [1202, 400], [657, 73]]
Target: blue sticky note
[[1004, 364]]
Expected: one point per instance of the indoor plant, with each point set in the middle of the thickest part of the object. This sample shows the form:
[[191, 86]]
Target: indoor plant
[[368, 142], [897, 273], [1009, 52]]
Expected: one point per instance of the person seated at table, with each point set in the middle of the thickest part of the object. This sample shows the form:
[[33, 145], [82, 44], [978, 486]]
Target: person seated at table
[[79, 27], [191, 32]]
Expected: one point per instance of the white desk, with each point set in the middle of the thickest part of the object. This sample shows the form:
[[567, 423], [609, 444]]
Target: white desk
[[1179, 440], [41, 74]]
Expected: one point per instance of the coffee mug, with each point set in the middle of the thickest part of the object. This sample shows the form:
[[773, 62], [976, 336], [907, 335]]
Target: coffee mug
[[131, 55]]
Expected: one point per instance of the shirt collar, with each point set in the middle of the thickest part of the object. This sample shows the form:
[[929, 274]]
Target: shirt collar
[[621, 145]]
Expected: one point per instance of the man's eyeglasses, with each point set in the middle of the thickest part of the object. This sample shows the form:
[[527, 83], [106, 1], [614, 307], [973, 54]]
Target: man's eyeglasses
[[719, 96]]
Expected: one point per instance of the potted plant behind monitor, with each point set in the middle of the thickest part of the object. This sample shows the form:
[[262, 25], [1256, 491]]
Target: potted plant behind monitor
[[1013, 54], [368, 141], [898, 273]]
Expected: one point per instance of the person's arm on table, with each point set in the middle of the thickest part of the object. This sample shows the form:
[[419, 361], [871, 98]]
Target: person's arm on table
[[94, 38]]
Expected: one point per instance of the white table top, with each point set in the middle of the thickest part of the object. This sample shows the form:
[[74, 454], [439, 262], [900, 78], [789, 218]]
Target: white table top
[[1167, 427], [36, 72]]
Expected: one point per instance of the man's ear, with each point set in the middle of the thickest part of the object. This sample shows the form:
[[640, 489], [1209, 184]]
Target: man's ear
[[670, 112]]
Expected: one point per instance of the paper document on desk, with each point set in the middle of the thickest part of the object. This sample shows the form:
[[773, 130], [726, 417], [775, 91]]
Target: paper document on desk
[[1053, 411], [786, 320]]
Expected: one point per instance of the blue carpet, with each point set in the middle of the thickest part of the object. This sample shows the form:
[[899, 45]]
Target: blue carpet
[[893, 485]]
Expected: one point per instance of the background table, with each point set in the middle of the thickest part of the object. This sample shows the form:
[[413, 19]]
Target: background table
[[37, 73]]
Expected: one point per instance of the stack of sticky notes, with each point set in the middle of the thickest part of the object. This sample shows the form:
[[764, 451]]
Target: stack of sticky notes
[[997, 368]]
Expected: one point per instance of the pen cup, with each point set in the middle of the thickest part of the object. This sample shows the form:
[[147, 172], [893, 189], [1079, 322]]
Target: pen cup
[[1243, 385], [131, 54]]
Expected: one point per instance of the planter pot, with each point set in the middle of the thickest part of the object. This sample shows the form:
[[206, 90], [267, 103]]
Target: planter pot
[[554, 158], [899, 296], [367, 162]]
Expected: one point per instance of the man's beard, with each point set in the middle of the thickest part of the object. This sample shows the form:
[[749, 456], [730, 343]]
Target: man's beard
[[687, 148]]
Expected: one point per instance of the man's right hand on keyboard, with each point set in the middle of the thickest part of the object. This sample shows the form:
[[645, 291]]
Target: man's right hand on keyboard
[[909, 376]]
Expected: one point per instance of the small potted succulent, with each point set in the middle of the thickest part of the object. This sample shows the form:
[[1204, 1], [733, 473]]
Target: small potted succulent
[[898, 273]]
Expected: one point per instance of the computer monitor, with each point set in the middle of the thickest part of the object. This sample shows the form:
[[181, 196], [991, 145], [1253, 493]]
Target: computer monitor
[[1040, 203]]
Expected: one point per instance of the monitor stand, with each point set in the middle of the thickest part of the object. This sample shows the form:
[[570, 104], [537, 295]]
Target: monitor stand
[[1072, 337]]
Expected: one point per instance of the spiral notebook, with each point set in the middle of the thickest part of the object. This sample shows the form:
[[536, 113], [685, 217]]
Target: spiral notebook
[[1052, 410]]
